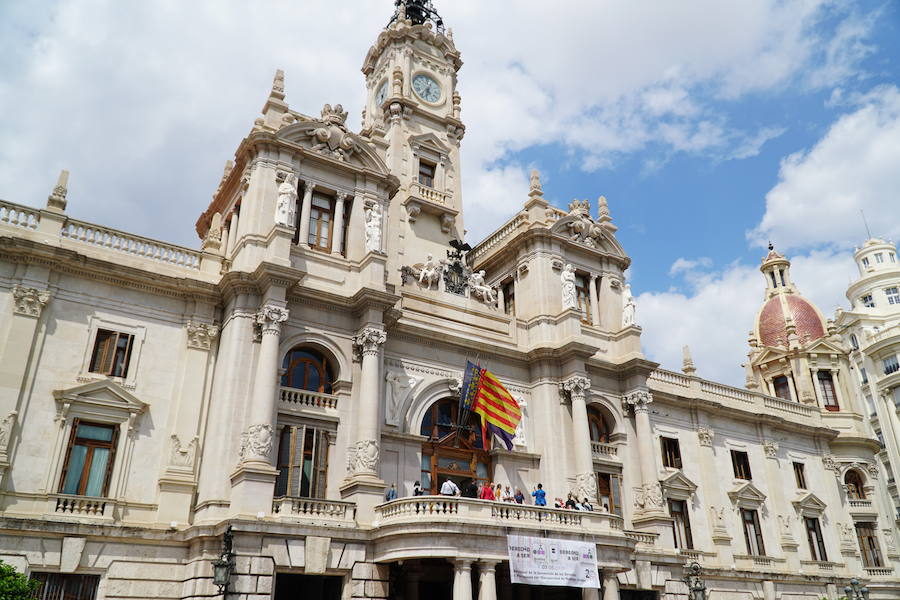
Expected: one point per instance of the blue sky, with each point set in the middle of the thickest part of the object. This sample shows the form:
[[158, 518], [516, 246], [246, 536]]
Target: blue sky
[[710, 126]]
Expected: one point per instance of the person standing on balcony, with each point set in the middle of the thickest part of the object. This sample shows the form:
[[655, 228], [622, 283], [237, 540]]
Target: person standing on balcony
[[448, 488], [540, 496], [507, 495], [391, 493], [417, 489], [498, 492], [519, 497], [487, 491]]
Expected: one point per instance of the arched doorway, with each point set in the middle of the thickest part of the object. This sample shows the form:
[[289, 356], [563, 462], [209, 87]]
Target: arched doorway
[[453, 450], [598, 425]]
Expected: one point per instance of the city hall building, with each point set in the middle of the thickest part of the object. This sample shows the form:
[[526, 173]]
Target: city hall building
[[251, 402]]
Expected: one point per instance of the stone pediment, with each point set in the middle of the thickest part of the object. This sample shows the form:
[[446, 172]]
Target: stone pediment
[[104, 399], [581, 229], [333, 140], [678, 486], [747, 494], [429, 140], [809, 502]]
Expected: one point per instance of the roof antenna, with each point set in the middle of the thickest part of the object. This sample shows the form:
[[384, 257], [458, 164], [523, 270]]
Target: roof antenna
[[866, 223]]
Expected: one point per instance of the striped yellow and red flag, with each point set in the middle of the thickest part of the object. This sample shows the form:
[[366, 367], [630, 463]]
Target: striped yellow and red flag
[[500, 413]]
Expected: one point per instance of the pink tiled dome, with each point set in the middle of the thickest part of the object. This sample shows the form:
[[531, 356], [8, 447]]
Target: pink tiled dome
[[772, 326]]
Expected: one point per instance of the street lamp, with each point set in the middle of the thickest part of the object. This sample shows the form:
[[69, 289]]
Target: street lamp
[[696, 587], [223, 565], [854, 592]]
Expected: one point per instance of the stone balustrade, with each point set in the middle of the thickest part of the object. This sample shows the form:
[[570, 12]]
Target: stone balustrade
[[496, 238], [671, 377], [19, 216], [644, 539], [316, 511], [430, 194], [451, 509], [80, 506], [292, 398], [879, 571], [134, 245], [817, 567], [601, 450]]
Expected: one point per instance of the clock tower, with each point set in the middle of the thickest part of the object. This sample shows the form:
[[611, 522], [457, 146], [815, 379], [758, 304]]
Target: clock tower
[[412, 115]]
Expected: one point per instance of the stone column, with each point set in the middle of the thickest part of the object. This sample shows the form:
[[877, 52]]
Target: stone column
[[253, 481], [305, 209], [365, 459], [591, 594], [577, 389], [412, 584], [337, 234], [648, 498], [595, 302], [814, 375], [610, 586], [462, 579], [501, 301], [487, 581], [232, 233]]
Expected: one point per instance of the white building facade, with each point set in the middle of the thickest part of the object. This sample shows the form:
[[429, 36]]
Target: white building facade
[[271, 387]]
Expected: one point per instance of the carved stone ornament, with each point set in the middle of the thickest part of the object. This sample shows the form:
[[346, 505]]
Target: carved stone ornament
[[455, 385], [6, 427], [770, 448], [705, 436], [256, 442], [332, 138], [447, 223], [270, 317], [183, 456], [576, 388], [889, 541], [585, 486], [286, 209], [399, 387], [786, 522], [29, 301], [480, 289], [638, 400], [718, 520], [368, 340], [830, 464], [873, 470], [201, 335], [582, 228], [373, 227], [848, 536], [569, 291], [629, 307], [365, 456], [648, 496]]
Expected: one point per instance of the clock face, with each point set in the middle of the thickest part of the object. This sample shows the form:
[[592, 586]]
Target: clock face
[[426, 88], [381, 96]]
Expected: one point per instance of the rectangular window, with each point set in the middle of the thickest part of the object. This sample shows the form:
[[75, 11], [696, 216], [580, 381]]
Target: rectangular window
[[321, 222], [112, 353], [63, 586], [671, 453], [426, 173], [868, 544], [782, 387], [741, 463], [89, 459], [610, 492], [826, 388], [871, 404], [893, 295], [800, 475], [681, 524], [892, 257], [865, 261], [814, 537], [302, 462], [863, 376], [509, 298], [868, 301], [879, 258], [891, 365], [584, 297], [752, 533]]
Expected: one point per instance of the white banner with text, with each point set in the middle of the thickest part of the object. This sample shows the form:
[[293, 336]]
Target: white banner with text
[[548, 561]]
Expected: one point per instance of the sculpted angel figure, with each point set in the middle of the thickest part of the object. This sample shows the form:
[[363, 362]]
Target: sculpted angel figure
[[569, 294]]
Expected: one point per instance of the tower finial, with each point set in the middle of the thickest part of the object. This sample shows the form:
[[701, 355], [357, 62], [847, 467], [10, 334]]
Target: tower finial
[[56, 201], [771, 246], [535, 188], [417, 12]]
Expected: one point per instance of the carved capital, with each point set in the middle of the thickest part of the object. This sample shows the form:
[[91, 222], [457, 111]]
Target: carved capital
[[576, 388], [29, 301], [368, 340], [638, 400], [270, 317], [256, 442], [200, 335]]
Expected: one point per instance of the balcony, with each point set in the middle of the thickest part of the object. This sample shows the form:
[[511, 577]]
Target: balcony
[[294, 400], [601, 451], [817, 567], [447, 510], [752, 562], [81, 506], [315, 511], [879, 571], [861, 507]]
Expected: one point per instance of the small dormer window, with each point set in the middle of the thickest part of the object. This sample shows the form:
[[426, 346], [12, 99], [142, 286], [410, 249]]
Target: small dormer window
[[893, 295], [865, 261], [426, 173], [879, 258], [774, 281], [782, 387], [868, 301], [781, 276]]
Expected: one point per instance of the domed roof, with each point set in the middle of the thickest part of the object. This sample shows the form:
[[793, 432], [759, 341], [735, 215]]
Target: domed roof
[[772, 324]]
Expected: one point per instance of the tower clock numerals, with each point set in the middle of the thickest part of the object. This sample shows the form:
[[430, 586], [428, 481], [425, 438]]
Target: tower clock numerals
[[426, 88]]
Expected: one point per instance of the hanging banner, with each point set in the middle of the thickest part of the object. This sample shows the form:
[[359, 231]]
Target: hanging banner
[[548, 561]]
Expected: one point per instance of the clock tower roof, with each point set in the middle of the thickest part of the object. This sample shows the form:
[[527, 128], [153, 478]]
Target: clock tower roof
[[418, 12], [414, 21]]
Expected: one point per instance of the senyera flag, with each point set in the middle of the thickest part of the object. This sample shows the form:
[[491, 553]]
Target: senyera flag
[[484, 394]]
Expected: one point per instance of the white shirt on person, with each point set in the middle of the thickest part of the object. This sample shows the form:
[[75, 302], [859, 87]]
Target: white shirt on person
[[449, 488]]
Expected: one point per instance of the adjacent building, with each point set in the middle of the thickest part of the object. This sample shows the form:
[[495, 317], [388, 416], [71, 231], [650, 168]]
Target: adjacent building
[[253, 401]]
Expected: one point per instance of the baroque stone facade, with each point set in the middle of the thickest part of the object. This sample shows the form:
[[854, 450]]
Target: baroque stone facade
[[270, 387]]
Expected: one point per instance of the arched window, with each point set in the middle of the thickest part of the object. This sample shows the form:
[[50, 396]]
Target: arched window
[[599, 427], [854, 485], [307, 369], [439, 420], [854, 341], [453, 449]]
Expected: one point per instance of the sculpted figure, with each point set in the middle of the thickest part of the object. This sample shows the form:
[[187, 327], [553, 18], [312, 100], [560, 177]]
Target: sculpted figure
[[373, 228], [431, 271], [286, 210], [569, 294], [480, 289], [628, 307]]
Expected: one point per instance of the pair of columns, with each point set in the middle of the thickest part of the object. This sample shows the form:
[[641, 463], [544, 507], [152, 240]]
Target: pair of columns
[[337, 239], [487, 582]]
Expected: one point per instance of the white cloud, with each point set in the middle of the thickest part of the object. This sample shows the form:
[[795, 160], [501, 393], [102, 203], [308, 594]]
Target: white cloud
[[820, 192], [143, 102], [720, 307]]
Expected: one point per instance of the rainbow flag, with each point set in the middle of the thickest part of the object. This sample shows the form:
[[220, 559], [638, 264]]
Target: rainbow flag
[[486, 396]]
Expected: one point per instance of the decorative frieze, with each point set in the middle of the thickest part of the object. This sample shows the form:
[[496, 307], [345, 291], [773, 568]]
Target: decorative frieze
[[29, 301], [648, 496], [585, 486], [200, 335], [256, 442], [362, 457]]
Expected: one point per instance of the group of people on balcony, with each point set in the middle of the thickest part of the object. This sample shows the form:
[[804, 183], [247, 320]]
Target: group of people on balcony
[[496, 492]]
